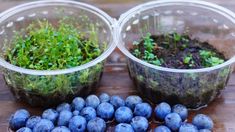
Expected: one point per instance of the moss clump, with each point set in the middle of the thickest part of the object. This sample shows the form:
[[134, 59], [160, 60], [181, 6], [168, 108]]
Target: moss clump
[[46, 47]]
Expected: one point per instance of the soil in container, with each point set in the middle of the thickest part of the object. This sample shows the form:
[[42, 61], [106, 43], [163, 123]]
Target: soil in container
[[176, 51]]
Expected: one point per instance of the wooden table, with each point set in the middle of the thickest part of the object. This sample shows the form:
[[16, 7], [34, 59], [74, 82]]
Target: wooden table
[[116, 80]]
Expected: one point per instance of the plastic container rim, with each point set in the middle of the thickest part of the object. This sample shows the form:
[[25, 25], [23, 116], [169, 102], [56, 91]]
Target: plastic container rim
[[197, 3], [30, 5]]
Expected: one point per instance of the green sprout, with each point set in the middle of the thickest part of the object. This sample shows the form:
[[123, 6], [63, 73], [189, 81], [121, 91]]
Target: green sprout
[[209, 58], [188, 60], [148, 42]]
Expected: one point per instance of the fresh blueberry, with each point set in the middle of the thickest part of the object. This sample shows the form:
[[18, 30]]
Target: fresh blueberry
[[63, 106], [117, 101], [133, 100], [187, 127], [104, 97], [44, 125], [24, 129], [61, 129], [50, 114], [204, 130], [123, 115], [78, 103], [124, 127], [202, 121], [162, 110], [173, 121], [18, 119], [77, 124], [181, 110], [88, 112], [105, 111], [92, 101], [162, 129], [139, 124], [143, 109], [32, 121], [64, 117], [96, 125], [76, 113]]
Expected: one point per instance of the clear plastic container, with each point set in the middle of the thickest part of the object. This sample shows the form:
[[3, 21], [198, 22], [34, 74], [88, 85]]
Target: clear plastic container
[[205, 21], [46, 88]]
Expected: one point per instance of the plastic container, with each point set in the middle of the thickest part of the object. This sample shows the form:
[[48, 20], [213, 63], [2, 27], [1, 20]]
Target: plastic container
[[46, 88], [205, 21]]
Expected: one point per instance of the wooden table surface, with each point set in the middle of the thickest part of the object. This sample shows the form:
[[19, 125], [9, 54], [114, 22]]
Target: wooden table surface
[[116, 80]]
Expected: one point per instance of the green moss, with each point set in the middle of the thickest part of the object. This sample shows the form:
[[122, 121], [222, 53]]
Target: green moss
[[46, 47], [42, 46]]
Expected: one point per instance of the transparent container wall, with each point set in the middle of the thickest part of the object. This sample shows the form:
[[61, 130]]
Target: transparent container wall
[[48, 90], [193, 89], [199, 23]]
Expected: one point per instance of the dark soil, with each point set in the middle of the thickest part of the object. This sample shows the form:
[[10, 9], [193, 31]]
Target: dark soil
[[173, 53]]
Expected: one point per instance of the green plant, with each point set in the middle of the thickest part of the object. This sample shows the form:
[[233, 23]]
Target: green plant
[[188, 60], [209, 58], [48, 47], [148, 43]]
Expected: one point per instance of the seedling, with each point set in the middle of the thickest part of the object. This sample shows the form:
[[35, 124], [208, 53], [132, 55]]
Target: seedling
[[209, 58]]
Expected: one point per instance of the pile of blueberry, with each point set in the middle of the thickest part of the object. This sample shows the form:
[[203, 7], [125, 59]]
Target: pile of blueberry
[[92, 114]]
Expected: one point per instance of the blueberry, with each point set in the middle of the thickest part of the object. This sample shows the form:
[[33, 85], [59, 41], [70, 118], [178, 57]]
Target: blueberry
[[204, 130], [181, 110], [124, 127], [133, 100], [202, 121], [117, 101], [187, 127], [63, 106], [123, 115], [61, 129], [32, 121], [173, 121], [96, 125], [143, 109], [104, 97], [139, 124], [50, 114], [105, 111], [77, 124], [24, 129], [78, 103], [64, 117], [162, 129], [18, 119], [44, 125], [76, 113], [88, 112], [92, 101], [162, 110]]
